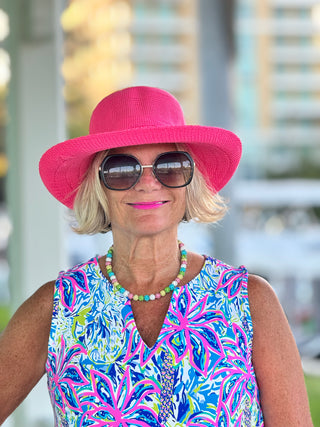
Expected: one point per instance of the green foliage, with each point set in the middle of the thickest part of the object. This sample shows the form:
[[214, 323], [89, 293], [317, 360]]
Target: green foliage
[[4, 317], [313, 388]]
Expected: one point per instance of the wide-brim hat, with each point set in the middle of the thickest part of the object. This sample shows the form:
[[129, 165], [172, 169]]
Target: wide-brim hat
[[137, 116]]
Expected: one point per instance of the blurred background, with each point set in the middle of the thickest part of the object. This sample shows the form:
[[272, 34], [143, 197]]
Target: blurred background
[[249, 66]]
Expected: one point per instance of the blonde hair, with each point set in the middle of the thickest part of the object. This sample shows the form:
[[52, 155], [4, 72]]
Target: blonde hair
[[91, 210]]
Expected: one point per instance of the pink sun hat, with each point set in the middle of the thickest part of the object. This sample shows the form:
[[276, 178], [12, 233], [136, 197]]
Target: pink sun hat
[[137, 116]]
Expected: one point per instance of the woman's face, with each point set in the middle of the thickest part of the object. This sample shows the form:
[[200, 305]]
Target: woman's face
[[148, 208]]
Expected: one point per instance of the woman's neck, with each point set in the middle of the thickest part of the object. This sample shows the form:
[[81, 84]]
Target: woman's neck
[[146, 264]]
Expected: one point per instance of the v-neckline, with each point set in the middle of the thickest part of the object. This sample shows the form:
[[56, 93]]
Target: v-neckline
[[134, 323], [126, 301]]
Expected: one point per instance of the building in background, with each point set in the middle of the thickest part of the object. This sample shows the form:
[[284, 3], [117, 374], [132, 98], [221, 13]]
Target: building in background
[[278, 118]]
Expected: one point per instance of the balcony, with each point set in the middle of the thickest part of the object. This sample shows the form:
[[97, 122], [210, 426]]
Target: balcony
[[308, 109], [285, 27], [295, 82], [295, 55]]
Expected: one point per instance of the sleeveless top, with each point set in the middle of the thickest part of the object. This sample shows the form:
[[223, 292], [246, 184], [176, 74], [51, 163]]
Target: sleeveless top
[[199, 372]]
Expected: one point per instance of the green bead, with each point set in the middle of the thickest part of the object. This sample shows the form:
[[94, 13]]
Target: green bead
[[167, 289], [141, 298]]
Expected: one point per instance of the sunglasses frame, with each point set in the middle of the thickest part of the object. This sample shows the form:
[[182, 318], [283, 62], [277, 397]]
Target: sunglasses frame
[[142, 167]]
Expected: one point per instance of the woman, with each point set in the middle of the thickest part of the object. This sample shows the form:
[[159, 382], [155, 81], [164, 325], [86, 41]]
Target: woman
[[151, 335]]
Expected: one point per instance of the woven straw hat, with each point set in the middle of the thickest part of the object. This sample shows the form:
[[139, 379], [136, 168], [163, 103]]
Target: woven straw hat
[[137, 116]]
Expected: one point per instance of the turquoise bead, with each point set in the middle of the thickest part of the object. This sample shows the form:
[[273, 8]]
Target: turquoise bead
[[146, 297]]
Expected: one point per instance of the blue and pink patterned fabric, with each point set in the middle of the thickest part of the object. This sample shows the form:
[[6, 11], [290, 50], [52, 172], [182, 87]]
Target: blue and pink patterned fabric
[[199, 372]]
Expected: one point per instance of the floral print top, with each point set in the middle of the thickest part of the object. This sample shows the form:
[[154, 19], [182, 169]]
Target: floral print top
[[199, 372]]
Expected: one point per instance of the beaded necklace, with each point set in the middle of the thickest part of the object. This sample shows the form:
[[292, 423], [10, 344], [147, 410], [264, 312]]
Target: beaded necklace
[[151, 297]]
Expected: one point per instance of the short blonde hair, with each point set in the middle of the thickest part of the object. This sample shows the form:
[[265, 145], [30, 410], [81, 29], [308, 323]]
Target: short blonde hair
[[91, 210]]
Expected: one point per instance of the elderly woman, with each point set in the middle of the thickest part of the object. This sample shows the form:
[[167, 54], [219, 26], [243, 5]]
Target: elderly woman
[[150, 334]]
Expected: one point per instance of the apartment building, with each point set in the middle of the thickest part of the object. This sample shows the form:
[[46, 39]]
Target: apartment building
[[278, 117]]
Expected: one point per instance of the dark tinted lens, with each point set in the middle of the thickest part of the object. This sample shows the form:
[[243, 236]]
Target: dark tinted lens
[[174, 169], [120, 172]]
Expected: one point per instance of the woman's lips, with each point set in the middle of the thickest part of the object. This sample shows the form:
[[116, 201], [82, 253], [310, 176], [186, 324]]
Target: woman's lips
[[148, 205]]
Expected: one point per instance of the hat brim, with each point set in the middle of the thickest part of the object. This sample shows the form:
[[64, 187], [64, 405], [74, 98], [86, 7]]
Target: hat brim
[[216, 152]]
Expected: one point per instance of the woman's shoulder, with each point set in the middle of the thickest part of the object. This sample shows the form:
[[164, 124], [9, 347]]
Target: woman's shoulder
[[266, 311], [44, 295], [262, 296], [40, 303]]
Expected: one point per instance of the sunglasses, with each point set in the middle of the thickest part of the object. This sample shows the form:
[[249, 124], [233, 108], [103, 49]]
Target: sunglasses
[[173, 169]]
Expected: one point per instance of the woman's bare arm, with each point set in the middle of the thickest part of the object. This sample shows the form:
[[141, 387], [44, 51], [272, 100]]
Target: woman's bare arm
[[24, 349], [276, 360]]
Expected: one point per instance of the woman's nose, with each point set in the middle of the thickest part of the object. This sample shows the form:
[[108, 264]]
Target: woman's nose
[[147, 180]]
